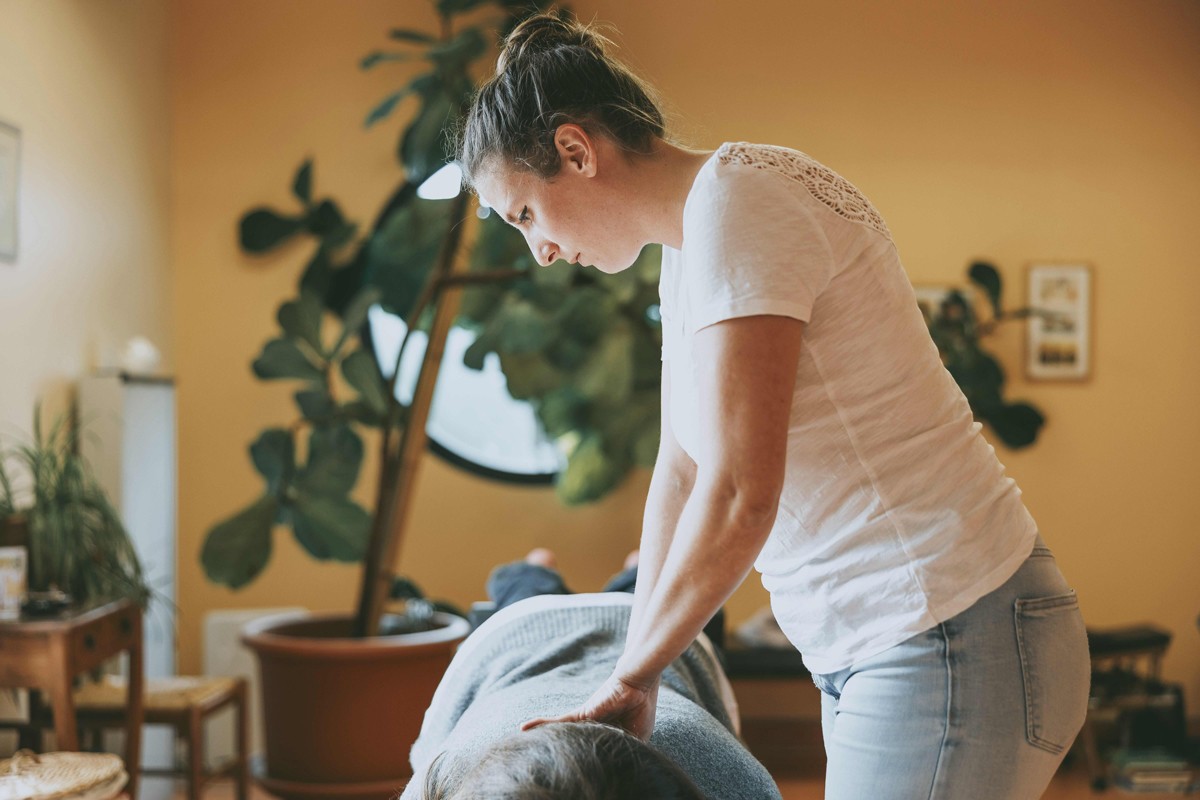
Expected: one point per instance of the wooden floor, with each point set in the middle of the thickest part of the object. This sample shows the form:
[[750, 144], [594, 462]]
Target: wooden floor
[[1071, 783]]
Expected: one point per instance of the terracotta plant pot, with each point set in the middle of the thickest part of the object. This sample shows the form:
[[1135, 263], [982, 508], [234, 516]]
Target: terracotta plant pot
[[340, 714]]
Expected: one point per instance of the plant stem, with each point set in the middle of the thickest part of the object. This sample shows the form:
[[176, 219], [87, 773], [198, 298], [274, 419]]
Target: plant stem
[[398, 468]]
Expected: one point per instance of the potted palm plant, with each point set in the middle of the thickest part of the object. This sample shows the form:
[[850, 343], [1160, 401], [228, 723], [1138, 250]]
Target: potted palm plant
[[76, 540]]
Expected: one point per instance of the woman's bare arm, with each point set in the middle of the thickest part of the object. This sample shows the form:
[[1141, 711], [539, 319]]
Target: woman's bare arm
[[670, 485], [745, 378]]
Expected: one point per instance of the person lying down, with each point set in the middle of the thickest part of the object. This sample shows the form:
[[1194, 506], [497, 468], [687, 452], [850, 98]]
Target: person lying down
[[542, 655]]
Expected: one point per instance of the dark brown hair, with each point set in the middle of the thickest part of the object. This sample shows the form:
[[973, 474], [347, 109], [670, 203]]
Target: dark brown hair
[[554, 70], [564, 761]]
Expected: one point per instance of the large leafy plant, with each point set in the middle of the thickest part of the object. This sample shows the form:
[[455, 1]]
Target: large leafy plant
[[957, 330], [581, 347]]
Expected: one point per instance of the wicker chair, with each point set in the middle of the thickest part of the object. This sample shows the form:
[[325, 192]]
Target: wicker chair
[[183, 703]]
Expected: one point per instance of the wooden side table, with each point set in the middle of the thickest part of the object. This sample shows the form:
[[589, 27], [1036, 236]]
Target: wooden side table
[[46, 654]]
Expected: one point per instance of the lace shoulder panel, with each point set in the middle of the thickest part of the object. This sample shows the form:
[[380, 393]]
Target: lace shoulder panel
[[822, 183]]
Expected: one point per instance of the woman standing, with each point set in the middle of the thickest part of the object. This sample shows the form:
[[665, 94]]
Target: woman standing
[[809, 430]]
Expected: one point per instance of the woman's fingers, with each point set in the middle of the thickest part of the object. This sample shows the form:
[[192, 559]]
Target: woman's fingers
[[616, 703], [533, 723]]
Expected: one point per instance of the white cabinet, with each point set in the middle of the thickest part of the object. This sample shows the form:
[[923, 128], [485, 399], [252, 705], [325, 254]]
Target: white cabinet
[[128, 438]]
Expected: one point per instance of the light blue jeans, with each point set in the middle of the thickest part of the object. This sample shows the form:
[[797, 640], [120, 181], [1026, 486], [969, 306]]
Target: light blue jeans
[[980, 707]]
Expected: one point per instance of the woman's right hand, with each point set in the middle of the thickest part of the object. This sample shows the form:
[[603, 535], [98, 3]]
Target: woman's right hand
[[617, 702]]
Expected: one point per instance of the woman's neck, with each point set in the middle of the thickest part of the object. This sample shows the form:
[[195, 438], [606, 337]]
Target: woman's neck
[[660, 184]]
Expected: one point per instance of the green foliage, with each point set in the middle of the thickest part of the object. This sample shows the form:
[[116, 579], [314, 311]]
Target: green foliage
[[237, 550], [77, 542], [579, 345], [957, 331]]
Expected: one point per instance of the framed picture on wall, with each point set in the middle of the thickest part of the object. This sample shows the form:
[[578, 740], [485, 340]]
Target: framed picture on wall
[[1058, 344], [10, 152]]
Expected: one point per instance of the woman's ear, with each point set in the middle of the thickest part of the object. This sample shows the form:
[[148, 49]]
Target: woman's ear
[[576, 150]]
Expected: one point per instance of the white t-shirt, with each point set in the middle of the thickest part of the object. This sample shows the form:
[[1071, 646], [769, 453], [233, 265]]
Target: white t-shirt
[[895, 513]]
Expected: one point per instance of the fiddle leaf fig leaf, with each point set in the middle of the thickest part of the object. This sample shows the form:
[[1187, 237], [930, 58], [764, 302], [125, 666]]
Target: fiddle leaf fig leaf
[[315, 404], [645, 444], [479, 301], [355, 315], [529, 375], [562, 410], [556, 276], [386, 106], [302, 184], [523, 328], [648, 265], [987, 278], [362, 413], [402, 254], [409, 35], [274, 456], [326, 220], [330, 527], [264, 229], [301, 319], [379, 57], [318, 274], [405, 589], [281, 358], [236, 550], [485, 342], [607, 374], [335, 455], [362, 373], [589, 474], [623, 285], [424, 147], [467, 45], [587, 313], [1017, 424]]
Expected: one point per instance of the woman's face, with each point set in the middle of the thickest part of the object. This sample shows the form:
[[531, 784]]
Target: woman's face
[[576, 214]]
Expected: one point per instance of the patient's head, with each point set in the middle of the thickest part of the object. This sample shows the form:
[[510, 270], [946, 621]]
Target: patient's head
[[577, 760]]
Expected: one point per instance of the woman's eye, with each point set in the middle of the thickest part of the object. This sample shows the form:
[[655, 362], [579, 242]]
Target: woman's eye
[[523, 217]]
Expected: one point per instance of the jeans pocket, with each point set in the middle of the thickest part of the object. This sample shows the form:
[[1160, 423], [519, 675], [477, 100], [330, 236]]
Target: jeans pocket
[[1055, 669]]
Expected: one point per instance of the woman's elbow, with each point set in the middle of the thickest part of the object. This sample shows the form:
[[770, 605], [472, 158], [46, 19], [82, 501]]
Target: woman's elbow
[[749, 504]]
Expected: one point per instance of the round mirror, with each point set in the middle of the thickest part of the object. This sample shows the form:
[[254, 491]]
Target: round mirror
[[473, 423]]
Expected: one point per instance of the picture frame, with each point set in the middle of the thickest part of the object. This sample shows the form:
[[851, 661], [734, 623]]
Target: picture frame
[[10, 160], [1058, 341]]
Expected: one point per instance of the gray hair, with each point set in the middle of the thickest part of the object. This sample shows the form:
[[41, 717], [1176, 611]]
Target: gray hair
[[564, 761]]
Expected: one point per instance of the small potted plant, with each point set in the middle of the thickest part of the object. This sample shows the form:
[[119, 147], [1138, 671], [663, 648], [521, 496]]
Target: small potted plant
[[76, 540], [957, 331]]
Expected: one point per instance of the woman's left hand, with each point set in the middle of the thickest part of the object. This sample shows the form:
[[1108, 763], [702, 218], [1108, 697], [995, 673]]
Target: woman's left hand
[[616, 702]]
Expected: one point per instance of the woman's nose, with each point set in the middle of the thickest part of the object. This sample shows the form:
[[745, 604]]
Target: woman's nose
[[546, 254]]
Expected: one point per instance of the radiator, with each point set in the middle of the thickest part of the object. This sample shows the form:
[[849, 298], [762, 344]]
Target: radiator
[[225, 655]]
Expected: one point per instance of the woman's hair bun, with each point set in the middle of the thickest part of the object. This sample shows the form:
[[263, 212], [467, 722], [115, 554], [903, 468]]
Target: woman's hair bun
[[545, 32]]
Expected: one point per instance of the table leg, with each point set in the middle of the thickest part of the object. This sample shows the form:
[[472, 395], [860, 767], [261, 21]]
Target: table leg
[[66, 736], [134, 708], [30, 736]]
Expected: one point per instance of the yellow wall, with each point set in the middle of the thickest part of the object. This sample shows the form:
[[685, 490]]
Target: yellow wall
[[1008, 131], [86, 82]]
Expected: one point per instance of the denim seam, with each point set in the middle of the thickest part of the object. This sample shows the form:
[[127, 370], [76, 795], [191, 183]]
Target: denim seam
[[937, 768]]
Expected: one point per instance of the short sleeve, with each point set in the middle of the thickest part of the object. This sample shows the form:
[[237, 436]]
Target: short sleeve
[[752, 245]]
